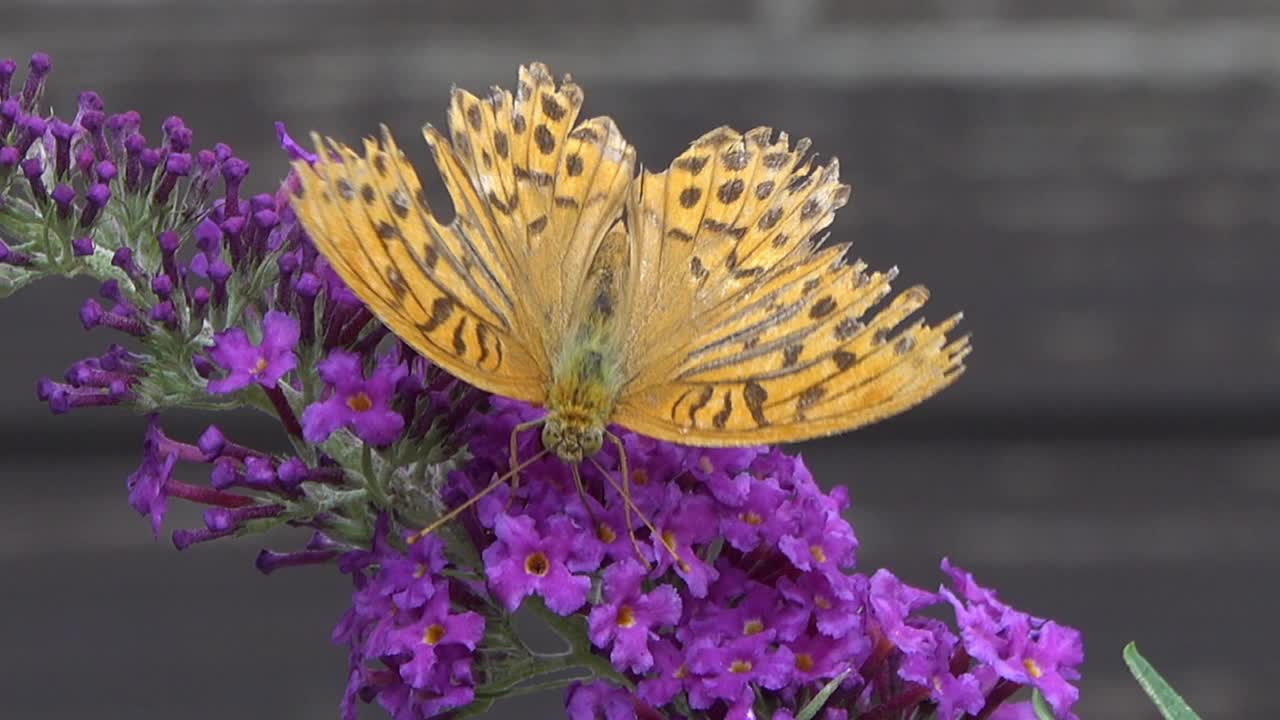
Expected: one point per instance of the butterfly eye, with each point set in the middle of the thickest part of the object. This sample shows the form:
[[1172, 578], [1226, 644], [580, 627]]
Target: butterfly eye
[[551, 435], [592, 439]]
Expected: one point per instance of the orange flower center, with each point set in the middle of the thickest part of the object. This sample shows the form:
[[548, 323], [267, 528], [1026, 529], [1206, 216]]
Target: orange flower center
[[751, 518], [704, 464], [419, 572], [605, 534], [359, 402], [740, 666], [1032, 668], [680, 673], [822, 602], [752, 626], [817, 553], [626, 616], [259, 366], [804, 662], [433, 633], [639, 476], [536, 564]]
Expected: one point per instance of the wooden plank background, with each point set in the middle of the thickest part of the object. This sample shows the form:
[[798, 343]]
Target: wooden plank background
[[1096, 183]]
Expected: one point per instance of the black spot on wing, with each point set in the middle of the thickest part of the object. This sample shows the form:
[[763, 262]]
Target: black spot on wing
[[726, 409], [754, 394]]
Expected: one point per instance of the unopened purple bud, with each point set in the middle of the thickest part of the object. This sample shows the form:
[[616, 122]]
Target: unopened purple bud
[[208, 236], [288, 263], [268, 561], [225, 473], [222, 152], [7, 68], [262, 201], [123, 259], [219, 519], [231, 229], [110, 289], [84, 160], [82, 246], [266, 219], [203, 367], [163, 313], [211, 442], [206, 161], [292, 472], [62, 134], [93, 121], [122, 125], [180, 140], [308, 285], [63, 195], [8, 157], [183, 538], [89, 100], [149, 160], [177, 165], [33, 169], [105, 170], [45, 389], [200, 297], [95, 198], [171, 123], [162, 286], [259, 472], [134, 145], [219, 271], [37, 69], [12, 257], [199, 265], [234, 171], [91, 314], [10, 115], [169, 242], [32, 128]]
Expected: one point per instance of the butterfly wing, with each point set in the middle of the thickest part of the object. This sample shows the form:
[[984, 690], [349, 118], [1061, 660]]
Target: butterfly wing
[[758, 333], [486, 295]]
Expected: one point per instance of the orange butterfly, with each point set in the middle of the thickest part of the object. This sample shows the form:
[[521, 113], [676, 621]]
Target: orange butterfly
[[692, 305]]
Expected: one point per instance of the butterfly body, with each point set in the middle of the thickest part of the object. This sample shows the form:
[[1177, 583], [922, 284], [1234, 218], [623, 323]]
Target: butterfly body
[[696, 305]]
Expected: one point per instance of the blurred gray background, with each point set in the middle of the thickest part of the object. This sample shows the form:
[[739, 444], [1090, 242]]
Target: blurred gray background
[[1095, 182]]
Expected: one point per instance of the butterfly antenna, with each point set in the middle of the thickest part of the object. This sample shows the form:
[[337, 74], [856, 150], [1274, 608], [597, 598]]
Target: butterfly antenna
[[515, 473], [474, 498]]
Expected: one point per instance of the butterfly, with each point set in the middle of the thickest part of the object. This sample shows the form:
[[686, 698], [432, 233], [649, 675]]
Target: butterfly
[[695, 305]]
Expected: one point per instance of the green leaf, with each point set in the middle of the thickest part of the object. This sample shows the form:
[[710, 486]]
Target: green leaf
[[13, 278], [1041, 706], [1169, 703], [813, 706]]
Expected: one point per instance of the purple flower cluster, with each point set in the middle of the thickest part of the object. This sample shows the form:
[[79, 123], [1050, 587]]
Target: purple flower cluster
[[744, 588], [706, 583], [409, 650]]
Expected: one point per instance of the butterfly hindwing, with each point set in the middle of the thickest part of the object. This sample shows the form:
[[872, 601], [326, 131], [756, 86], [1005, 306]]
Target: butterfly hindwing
[[772, 339]]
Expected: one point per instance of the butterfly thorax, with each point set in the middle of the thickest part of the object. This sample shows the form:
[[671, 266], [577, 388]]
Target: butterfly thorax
[[583, 389]]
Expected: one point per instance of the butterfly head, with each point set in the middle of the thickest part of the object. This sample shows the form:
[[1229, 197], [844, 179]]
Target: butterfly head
[[573, 437]]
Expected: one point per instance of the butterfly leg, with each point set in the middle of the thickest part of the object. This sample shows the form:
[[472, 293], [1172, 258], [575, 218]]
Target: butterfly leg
[[582, 494], [515, 474], [497, 482], [629, 505]]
